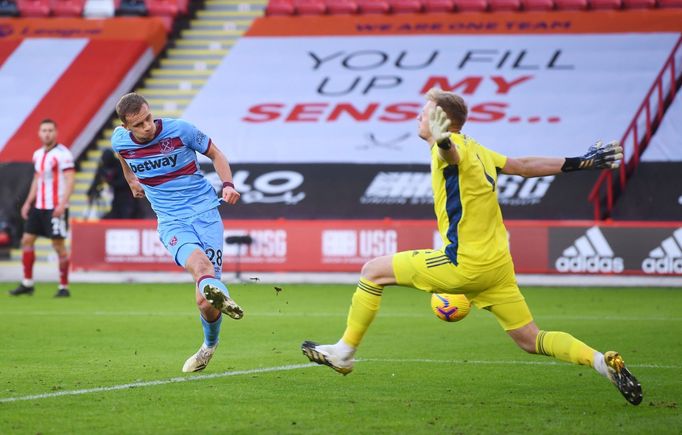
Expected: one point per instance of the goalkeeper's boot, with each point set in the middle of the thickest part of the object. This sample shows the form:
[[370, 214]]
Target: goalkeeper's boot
[[199, 360], [222, 302], [622, 378], [22, 290], [328, 355]]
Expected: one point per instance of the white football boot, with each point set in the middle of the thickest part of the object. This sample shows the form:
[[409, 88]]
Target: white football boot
[[328, 355], [199, 360]]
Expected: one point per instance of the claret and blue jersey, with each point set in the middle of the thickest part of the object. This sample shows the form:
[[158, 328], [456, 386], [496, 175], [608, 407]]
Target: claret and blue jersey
[[168, 169]]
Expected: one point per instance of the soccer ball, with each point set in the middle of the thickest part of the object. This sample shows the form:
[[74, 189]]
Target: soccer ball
[[450, 307]]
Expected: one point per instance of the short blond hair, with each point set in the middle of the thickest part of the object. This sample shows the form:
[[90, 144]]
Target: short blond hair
[[452, 104]]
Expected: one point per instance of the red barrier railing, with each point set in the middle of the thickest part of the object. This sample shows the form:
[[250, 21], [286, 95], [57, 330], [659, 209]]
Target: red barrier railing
[[606, 184]]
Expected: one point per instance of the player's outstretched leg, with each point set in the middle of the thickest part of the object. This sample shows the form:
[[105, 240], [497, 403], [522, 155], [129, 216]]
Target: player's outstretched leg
[[363, 309], [565, 347], [217, 295]]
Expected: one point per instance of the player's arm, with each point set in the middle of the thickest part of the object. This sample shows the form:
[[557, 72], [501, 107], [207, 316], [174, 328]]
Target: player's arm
[[133, 182], [30, 199], [598, 156], [222, 168], [69, 180], [439, 124]]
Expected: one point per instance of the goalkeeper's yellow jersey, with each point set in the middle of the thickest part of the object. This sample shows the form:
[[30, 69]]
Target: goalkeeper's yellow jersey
[[466, 206]]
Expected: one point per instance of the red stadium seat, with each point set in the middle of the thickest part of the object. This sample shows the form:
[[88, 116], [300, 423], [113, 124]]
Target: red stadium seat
[[639, 4], [162, 8], [605, 4], [670, 3], [339, 7], [438, 5], [68, 8], [471, 5], [504, 5], [34, 8], [537, 5], [373, 6], [571, 5], [405, 6], [310, 7], [280, 7]]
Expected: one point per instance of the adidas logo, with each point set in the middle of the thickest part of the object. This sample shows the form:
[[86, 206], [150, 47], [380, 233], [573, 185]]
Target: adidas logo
[[590, 253], [667, 258]]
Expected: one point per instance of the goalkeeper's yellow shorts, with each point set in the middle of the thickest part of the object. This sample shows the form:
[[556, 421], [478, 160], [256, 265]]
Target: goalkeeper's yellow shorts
[[495, 290]]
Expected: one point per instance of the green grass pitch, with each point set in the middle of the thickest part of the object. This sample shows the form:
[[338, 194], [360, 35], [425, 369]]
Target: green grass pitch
[[66, 365]]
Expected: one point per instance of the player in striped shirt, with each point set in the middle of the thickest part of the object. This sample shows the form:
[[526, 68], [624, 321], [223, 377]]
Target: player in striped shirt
[[46, 208]]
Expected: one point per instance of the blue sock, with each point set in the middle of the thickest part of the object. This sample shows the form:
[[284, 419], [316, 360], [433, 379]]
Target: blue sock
[[208, 279], [211, 330]]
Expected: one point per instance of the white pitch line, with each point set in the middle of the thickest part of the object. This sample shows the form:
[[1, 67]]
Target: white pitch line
[[314, 314], [159, 382], [500, 362]]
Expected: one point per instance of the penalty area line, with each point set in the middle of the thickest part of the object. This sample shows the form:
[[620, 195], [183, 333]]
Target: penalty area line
[[159, 382]]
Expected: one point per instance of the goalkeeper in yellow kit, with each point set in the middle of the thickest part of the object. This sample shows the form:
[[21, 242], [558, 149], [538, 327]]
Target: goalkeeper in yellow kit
[[475, 258]]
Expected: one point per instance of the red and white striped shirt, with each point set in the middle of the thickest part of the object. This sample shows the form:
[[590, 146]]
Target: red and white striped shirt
[[50, 167]]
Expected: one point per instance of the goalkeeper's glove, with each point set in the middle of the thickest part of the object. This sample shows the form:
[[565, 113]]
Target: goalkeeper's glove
[[439, 125], [598, 156]]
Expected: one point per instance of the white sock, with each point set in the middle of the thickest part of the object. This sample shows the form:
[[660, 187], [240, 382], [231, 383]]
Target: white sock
[[600, 364], [346, 349], [27, 282]]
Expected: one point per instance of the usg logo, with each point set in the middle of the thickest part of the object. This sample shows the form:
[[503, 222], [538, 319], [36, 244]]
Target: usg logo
[[590, 253], [516, 190], [399, 188], [667, 257]]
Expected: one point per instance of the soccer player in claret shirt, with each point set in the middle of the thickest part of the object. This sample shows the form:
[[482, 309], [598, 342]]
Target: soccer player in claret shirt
[[46, 208], [159, 161], [475, 260]]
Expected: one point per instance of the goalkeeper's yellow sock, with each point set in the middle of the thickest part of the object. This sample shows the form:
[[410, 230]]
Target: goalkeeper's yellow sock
[[564, 347], [364, 307]]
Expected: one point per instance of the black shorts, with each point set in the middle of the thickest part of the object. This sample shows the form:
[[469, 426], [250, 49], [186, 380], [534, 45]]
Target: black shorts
[[41, 223]]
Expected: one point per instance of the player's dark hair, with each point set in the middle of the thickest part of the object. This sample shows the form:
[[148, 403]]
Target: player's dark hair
[[48, 121], [129, 104], [452, 104]]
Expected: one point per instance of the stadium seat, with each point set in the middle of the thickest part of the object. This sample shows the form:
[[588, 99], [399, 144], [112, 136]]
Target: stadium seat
[[280, 7], [639, 4], [8, 8], [471, 5], [537, 5], [339, 7], [373, 6], [438, 5], [504, 5], [68, 8], [405, 6], [570, 5], [605, 4], [162, 8], [670, 3], [34, 8], [99, 9], [310, 7], [130, 7]]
